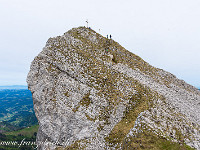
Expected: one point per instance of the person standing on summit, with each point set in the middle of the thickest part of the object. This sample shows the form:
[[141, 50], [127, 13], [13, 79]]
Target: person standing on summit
[[110, 36]]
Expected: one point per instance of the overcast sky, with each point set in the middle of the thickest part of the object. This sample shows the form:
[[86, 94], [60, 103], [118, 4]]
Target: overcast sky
[[165, 33]]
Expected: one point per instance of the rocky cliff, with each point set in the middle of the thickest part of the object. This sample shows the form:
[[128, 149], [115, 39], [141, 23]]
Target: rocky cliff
[[91, 93]]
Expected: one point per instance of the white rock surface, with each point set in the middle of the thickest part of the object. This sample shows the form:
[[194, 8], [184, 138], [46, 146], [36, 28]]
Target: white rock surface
[[80, 94]]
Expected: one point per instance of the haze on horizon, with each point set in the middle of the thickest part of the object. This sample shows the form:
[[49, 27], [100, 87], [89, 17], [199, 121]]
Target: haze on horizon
[[166, 34]]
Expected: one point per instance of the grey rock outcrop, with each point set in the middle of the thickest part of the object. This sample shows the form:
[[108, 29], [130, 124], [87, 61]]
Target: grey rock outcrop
[[87, 98]]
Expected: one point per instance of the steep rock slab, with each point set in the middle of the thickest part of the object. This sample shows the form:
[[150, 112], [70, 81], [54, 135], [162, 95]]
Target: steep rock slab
[[91, 93]]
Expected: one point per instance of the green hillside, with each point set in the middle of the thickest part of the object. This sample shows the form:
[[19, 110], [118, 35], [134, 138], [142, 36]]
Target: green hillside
[[23, 139], [28, 132]]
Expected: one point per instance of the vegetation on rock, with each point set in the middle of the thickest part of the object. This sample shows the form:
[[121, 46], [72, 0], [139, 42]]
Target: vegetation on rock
[[91, 92]]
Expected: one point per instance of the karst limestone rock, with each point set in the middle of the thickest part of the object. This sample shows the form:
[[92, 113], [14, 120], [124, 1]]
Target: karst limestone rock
[[86, 97]]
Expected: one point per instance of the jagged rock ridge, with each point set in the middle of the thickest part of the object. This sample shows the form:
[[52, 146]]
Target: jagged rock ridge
[[87, 98]]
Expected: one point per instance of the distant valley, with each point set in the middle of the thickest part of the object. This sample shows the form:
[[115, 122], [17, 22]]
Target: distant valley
[[17, 117], [16, 108]]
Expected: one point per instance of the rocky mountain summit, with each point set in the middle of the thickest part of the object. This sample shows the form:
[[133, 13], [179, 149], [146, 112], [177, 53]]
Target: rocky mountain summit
[[91, 93]]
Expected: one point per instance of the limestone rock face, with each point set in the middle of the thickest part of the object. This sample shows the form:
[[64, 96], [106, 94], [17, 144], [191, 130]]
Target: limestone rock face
[[86, 97]]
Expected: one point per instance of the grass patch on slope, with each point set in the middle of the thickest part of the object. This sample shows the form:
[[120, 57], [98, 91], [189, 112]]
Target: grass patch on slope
[[148, 140], [28, 132], [137, 104]]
